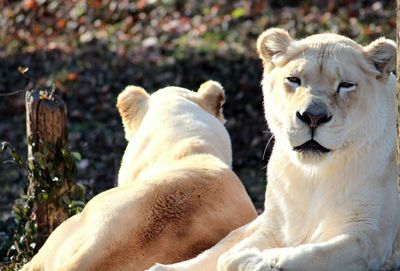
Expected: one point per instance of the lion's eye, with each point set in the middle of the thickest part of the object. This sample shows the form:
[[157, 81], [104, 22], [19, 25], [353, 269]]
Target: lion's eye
[[346, 86], [293, 81]]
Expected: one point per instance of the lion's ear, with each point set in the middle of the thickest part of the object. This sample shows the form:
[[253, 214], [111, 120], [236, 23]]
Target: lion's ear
[[382, 54], [272, 43], [212, 96], [132, 105]]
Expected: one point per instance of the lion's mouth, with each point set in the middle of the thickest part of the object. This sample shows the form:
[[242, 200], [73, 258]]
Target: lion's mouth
[[311, 146]]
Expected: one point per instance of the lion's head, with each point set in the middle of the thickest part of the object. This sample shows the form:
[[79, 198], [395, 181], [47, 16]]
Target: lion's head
[[326, 93], [134, 102]]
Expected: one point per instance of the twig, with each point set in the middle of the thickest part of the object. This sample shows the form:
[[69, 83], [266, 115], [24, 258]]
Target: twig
[[53, 89], [28, 87]]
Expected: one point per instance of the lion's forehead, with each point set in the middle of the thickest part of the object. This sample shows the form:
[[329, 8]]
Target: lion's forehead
[[327, 67], [325, 46], [324, 58], [329, 39]]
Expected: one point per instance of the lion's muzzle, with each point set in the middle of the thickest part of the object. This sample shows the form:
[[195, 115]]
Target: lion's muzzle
[[316, 113]]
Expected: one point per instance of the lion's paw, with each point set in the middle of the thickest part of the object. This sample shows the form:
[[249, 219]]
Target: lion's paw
[[161, 267], [245, 260]]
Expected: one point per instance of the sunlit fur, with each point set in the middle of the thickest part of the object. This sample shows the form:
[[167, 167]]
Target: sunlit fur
[[329, 211], [176, 194]]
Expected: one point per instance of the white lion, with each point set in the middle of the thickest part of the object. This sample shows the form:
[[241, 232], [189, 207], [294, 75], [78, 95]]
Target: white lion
[[332, 201], [177, 194]]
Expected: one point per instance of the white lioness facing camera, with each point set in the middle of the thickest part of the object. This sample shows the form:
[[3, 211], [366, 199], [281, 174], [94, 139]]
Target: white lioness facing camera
[[176, 195], [331, 202]]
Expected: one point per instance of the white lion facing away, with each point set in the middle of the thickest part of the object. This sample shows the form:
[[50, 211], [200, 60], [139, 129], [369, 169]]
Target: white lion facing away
[[331, 202], [177, 194]]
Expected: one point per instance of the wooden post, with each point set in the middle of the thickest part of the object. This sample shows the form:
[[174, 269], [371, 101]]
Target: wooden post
[[398, 81], [46, 125]]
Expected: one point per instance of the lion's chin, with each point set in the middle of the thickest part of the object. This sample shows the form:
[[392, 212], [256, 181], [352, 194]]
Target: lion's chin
[[311, 148]]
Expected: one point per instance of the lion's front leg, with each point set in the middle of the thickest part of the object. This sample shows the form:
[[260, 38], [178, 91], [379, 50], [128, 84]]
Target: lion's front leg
[[344, 252]]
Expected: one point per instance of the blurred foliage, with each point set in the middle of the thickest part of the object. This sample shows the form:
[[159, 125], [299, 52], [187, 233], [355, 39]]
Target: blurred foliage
[[24, 238], [94, 48]]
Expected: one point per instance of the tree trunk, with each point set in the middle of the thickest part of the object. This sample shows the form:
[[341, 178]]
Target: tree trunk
[[398, 79], [47, 138]]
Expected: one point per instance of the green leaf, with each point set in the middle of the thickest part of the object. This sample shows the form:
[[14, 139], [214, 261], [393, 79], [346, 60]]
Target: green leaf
[[45, 150], [75, 207], [78, 191], [76, 203], [66, 199], [29, 141], [29, 227], [39, 159], [43, 196], [18, 213], [238, 12], [58, 143], [16, 245], [77, 156], [26, 210]]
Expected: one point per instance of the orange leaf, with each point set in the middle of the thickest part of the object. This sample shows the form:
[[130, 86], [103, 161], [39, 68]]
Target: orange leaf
[[60, 23], [36, 30], [95, 4], [368, 31], [72, 76], [29, 4], [141, 4]]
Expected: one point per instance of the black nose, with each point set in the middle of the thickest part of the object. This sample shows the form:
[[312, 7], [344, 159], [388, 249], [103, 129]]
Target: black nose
[[313, 117]]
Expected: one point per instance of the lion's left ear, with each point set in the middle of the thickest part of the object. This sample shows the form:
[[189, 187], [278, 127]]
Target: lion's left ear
[[212, 96], [271, 44], [132, 104], [382, 54]]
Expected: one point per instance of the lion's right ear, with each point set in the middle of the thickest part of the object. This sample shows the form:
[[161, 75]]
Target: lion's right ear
[[271, 44], [132, 104], [212, 96], [382, 53]]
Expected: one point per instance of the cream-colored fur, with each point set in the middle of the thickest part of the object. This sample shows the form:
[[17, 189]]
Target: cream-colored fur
[[336, 210], [176, 195]]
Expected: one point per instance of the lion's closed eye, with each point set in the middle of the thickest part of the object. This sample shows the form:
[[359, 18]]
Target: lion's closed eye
[[293, 81], [346, 86]]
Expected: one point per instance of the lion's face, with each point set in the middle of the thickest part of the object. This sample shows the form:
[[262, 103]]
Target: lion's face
[[326, 94]]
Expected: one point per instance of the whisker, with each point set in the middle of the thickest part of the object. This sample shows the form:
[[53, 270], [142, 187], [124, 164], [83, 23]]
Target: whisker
[[266, 147]]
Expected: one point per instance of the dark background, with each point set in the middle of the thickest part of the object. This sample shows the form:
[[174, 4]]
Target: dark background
[[93, 49]]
